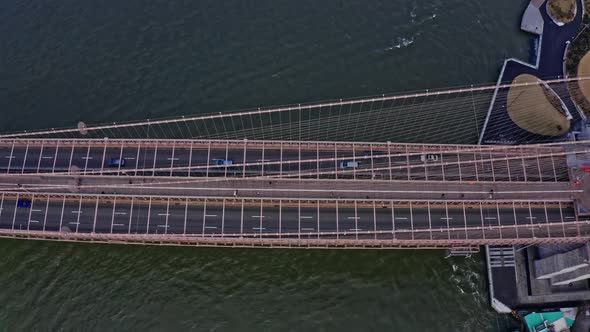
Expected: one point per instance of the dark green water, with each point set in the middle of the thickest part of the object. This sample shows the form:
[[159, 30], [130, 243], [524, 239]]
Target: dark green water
[[96, 61]]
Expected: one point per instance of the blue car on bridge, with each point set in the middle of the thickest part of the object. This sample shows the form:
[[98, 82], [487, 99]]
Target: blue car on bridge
[[224, 162], [24, 203], [117, 162]]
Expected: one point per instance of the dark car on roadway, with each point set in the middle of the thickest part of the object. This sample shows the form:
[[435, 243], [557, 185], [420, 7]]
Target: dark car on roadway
[[24, 203]]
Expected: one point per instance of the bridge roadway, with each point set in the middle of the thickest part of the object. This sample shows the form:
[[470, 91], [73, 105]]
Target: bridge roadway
[[289, 159], [294, 222], [288, 194]]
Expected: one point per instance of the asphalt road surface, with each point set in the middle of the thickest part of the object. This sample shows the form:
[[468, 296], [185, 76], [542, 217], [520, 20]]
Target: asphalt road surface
[[201, 160], [287, 192], [235, 218]]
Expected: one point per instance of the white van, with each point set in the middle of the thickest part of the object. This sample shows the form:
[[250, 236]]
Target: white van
[[428, 157], [349, 164]]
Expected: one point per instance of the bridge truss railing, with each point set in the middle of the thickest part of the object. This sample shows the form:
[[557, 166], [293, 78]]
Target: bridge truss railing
[[285, 243]]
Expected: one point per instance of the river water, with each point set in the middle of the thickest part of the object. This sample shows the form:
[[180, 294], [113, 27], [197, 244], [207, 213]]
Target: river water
[[71, 60]]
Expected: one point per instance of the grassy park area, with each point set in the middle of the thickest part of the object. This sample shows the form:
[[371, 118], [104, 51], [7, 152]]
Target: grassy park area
[[534, 109], [584, 71], [563, 11], [577, 63]]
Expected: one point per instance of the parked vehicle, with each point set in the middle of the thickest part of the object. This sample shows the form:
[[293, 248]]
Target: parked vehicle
[[349, 164], [117, 162]]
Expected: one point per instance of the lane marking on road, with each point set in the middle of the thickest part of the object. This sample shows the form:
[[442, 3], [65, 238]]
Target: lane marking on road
[[262, 159], [356, 218], [121, 213], [211, 227], [163, 225], [210, 215], [257, 216], [446, 218], [570, 217], [77, 212], [36, 210], [530, 217], [355, 229], [74, 223], [34, 221], [87, 158], [46, 157], [118, 225], [163, 214], [258, 228], [9, 157], [490, 218], [129, 158], [307, 229], [306, 217], [172, 159], [401, 218]]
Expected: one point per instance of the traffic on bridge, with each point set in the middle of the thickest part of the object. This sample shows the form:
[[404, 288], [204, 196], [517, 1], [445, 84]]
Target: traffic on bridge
[[291, 193], [243, 158]]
